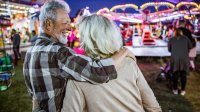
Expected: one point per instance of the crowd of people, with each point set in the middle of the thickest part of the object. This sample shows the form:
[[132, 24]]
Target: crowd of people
[[181, 44], [161, 30]]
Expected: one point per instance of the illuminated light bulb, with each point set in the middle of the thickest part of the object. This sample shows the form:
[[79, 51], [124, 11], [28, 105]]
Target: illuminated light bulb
[[104, 10], [72, 25], [122, 6], [32, 10], [156, 3], [187, 3], [2, 4]]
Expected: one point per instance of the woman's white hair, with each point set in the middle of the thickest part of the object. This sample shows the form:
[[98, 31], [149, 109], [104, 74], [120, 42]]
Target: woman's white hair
[[100, 36], [48, 11]]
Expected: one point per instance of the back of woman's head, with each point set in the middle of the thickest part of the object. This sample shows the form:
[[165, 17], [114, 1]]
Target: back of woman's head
[[100, 37], [178, 32]]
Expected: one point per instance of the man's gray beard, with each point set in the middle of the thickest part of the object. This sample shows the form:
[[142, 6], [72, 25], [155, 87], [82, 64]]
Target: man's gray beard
[[63, 39], [60, 37]]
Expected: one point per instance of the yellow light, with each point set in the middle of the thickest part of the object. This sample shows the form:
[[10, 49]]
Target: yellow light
[[187, 3], [194, 9], [3, 4], [108, 15], [156, 4], [124, 6], [16, 7], [188, 17], [104, 10], [72, 25]]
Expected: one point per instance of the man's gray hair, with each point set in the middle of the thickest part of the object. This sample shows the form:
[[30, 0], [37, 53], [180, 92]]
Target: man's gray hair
[[48, 11]]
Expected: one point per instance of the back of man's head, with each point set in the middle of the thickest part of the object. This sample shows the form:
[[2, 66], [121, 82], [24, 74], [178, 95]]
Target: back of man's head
[[181, 23], [13, 31], [33, 32], [48, 11]]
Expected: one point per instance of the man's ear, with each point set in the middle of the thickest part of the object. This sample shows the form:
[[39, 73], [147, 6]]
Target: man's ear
[[48, 25]]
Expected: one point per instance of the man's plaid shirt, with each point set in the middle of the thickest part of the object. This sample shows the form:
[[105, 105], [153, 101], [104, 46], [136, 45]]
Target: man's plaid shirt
[[48, 65]]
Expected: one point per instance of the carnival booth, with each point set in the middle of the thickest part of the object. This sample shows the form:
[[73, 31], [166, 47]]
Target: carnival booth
[[6, 66], [12, 16]]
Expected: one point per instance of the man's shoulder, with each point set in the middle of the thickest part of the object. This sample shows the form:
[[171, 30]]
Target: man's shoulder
[[50, 49], [45, 47], [63, 48]]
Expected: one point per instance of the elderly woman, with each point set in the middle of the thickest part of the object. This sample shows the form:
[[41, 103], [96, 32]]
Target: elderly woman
[[130, 92]]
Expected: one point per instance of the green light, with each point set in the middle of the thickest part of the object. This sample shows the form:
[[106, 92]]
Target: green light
[[3, 88]]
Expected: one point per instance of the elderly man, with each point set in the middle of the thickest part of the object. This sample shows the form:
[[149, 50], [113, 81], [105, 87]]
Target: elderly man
[[48, 64]]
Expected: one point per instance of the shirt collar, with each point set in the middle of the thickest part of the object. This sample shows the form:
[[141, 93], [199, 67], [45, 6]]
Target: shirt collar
[[48, 37]]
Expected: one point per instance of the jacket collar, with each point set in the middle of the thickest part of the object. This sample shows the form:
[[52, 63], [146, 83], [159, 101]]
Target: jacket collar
[[48, 37]]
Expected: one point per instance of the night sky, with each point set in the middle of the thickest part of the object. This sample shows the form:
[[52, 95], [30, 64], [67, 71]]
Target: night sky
[[95, 5]]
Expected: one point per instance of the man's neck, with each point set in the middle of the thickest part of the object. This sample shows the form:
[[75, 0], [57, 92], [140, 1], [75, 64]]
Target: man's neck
[[53, 39], [45, 35]]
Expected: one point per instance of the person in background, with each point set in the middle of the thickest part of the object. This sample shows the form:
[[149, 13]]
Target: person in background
[[100, 39], [164, 33], [16, 39], [170, 33], [26, 36], [49, 64], [34, 38], [188, 34], [179, 46]]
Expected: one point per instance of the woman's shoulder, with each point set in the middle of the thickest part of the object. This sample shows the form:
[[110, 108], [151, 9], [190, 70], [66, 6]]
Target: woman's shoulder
[[130, 62], [185, 38], [129, 66]]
